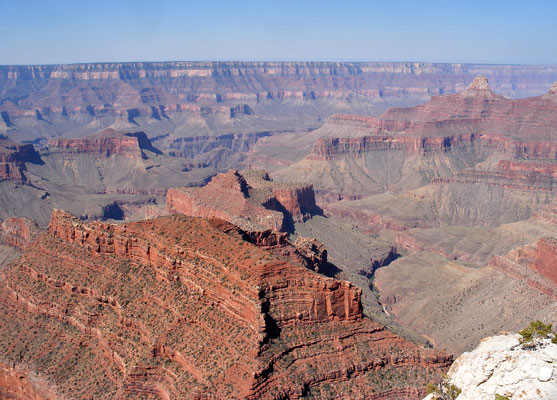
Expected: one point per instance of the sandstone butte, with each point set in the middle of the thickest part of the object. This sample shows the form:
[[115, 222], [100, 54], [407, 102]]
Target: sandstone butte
[[250, 200], [105, 143], [185, 308], [13, 157]]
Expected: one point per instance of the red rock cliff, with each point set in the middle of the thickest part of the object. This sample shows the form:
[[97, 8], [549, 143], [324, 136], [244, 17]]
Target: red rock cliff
[[524, 128], [177, 309]]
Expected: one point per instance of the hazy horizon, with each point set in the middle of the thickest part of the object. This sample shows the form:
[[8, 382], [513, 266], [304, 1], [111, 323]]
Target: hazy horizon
[[69, 32], [324, 61]]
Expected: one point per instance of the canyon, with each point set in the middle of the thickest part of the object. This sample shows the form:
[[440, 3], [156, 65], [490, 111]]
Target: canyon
[[106, 175], [220, 110], [269, 229]]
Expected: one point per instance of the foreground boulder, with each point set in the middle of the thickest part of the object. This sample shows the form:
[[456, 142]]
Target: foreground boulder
[[499, 365]]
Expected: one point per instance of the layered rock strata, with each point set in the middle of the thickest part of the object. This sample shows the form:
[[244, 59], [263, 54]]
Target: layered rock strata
[[105, 143], [534, 264], [545, 260], [176, 308], [469, 137], [475, 110], [157, 88]]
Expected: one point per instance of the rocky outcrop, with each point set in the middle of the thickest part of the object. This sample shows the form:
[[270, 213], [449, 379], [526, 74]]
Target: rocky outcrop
[[177, 308], [18, 232], [225, 197], [309, 252], [13, 157], [250, 200], [297, 199], [105, 143], [499, 365]]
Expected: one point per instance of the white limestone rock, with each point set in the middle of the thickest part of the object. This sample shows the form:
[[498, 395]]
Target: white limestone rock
[[500, 365]]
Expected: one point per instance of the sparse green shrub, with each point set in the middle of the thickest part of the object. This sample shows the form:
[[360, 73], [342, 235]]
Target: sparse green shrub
[[444, 390], [430, 388], [535, 333], [501, 397]]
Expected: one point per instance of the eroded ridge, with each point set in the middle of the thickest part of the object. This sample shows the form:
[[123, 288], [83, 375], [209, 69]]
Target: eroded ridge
[[176, 308]]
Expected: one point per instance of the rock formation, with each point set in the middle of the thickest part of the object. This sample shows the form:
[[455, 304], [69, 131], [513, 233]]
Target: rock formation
[[221, 109], [545, 260], [500, 366], [533, 264], [464, 187], [250, 200], [13, 157], [168, 85], [177, 308]]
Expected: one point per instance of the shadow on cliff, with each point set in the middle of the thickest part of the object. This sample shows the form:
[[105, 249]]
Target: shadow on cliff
[[330, 270], [288, 223], [144, 142]]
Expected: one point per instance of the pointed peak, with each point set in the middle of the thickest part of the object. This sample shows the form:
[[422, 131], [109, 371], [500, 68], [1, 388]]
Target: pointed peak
[[479, 88], [479, 83], [553, 89]]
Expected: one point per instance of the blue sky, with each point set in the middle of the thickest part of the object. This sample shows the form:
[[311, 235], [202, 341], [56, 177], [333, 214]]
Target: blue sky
[[70, 31]]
